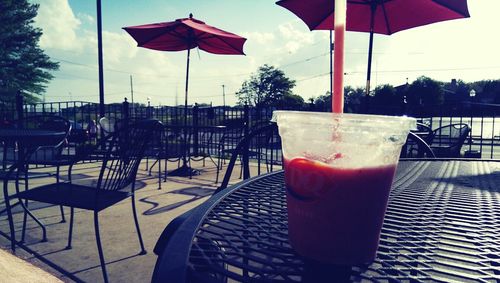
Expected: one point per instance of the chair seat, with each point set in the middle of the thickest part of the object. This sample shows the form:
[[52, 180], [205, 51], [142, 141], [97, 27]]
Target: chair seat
[[78, 196]]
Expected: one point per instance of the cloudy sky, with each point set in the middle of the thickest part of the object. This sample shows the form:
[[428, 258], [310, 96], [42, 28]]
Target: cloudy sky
[[464, 49]]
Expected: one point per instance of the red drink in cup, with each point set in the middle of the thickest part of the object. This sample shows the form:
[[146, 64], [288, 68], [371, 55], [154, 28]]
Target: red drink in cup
[[338, 172]]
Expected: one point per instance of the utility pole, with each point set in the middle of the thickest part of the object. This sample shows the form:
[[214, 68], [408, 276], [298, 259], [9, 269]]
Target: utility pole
[[100, 60], [132, 93], [223, 96]]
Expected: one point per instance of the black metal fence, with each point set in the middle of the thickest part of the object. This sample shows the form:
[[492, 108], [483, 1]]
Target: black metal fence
[[483, 141]]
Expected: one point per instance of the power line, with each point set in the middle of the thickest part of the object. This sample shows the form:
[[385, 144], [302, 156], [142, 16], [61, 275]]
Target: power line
[[313, 77], [197, 77]]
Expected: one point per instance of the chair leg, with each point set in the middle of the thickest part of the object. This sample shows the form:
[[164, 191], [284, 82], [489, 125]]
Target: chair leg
[[44, 230], [99, 247], [159, 173], [165, 171], [63, 218], [70, 234], [218, 169], [241, 167], [191, 170], [25, 214], [9, 216], [136, 220]]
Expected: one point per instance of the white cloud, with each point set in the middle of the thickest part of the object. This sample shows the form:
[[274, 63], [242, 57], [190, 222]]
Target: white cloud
[[259, 37], [117, 47], [59, 25], [86, 18], [295, 38]]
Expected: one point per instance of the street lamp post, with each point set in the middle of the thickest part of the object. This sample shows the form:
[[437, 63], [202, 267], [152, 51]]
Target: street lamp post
[[472, 93], [149, 107]]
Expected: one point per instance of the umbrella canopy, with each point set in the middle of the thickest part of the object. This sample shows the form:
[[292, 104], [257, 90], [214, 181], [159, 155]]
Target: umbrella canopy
[[186, 34], [377, 16]]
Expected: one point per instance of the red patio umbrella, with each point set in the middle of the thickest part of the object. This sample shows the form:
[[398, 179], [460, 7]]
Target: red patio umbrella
[[377, 16], [185, 34]]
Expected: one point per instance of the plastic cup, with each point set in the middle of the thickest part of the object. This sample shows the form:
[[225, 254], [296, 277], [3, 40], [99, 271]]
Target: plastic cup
[[338, 174]]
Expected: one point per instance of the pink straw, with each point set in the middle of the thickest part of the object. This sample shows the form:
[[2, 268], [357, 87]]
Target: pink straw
[[338, 56]]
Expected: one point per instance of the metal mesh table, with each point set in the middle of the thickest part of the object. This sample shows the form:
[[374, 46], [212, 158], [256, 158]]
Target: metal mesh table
[[442, 225]]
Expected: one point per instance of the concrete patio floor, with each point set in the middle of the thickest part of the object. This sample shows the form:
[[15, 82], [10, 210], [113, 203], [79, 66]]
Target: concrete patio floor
[[156, 208]]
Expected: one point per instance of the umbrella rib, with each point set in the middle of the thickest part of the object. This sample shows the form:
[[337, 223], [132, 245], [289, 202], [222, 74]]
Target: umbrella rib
[[386, 18]]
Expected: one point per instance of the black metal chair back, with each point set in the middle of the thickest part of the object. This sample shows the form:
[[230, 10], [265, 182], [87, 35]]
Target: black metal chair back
[[243, 150], [125, 149], [447, 141], [416, 147], [425, 132]]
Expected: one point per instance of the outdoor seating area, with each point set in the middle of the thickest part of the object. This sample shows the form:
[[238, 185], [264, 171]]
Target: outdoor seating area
[[104, 175], [55, 211], [130, 152], [89, 185]]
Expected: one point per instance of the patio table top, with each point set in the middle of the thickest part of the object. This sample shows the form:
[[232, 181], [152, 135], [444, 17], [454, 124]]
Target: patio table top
[[31, 136], [442, 224]]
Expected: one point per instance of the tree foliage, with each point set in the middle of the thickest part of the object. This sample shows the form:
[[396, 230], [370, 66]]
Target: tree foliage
[[268, 87], [23, 65], [353, 98], [425, 91], [384, 95]]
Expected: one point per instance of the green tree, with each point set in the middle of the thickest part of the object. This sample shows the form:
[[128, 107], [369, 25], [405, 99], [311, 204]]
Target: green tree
[[386, 100], [23, 65], [291, 101], [384, 95], [487, 90], [268, 87], [323, 102], [352, 100], [460, 91], [425, 91]]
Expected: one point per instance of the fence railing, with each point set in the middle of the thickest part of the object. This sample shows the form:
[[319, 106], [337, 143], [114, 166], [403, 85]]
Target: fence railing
[[483, 140]]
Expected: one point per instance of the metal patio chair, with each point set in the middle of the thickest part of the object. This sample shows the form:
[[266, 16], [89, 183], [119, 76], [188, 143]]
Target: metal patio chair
[[447, 140], [49, 155], [416, 147], [19, 155], [167, 145], [124, 150], [425, 132], [233, 134]]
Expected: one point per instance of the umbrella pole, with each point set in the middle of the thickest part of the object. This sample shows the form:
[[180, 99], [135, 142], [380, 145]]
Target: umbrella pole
[[370, 50], [185, 170], [369, 71], [184, 158]]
